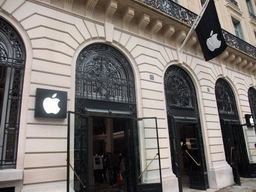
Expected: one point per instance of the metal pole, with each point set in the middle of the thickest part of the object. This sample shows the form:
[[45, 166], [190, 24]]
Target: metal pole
[[159, 157], [194, 25], [68, 154], [147, 166]]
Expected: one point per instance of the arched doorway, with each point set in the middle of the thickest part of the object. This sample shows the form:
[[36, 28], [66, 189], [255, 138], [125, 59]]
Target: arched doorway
[[105, 93], [12, 65], [252, 100], [232, 132], [187, 150]]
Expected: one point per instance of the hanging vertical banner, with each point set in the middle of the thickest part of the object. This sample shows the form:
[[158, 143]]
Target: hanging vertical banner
[[209, 33]]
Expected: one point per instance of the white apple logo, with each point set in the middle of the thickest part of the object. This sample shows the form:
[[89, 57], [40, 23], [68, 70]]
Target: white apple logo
[[212, 42], [251, 121], [51, 104]]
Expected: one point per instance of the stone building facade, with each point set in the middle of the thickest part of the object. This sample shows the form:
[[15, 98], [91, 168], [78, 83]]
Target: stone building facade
[[119, 60]]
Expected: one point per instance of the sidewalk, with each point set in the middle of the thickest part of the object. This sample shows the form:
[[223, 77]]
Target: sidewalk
[[247, 185]]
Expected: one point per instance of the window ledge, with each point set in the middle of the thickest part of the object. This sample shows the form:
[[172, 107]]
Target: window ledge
[[11, 175], [253, 21], [234, 8]]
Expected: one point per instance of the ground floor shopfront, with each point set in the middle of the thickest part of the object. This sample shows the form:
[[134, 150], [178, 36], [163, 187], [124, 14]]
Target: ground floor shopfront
[[175, 119]]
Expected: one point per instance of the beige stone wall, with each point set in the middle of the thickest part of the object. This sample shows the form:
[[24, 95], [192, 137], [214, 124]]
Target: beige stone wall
[[57, 35]]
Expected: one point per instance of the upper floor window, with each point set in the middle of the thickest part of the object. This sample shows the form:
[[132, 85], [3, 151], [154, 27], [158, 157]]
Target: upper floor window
[[250, 7], [238, 28], [234, 2]]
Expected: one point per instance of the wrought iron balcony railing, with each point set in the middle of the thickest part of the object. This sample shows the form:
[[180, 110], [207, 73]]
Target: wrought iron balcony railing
[[175, 10]]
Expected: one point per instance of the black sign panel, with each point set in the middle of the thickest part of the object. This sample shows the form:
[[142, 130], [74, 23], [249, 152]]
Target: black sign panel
[[249, 120], [50, 103]]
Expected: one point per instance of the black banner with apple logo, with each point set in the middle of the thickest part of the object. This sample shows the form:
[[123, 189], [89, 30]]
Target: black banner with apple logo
[[50, 103], [209, 33]]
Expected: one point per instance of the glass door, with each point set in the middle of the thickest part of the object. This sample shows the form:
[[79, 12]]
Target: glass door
[[145, 143], [175, 153], [195, 158], [230, 146], [188, 162], [77, 153], [142, 156]]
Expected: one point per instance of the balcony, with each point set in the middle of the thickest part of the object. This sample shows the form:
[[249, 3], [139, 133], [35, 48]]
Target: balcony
[[175, 10]]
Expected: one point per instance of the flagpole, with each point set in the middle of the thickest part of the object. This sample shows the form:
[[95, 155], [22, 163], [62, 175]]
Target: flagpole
[[194, 25]]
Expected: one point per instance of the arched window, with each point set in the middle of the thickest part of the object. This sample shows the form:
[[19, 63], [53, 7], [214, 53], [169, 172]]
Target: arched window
[[103, 74], [225, 99], [252, 101], [12, 64], [179, 90]]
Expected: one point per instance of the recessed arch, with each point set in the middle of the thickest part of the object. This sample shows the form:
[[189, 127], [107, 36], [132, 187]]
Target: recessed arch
[[179, 90], [103, 74], [184, 126], [105, 91], [232, 131], [226, 100], [12, 66]]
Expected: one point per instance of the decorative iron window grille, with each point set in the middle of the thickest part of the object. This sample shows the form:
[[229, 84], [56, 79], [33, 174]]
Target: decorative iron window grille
[[12, 64], [175, 10], [225, 98], [104, 74], [179, 89], [252, 101]]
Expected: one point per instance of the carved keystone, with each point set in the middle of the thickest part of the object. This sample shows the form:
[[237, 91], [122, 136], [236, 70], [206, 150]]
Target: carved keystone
[[249, 66], [156, 26], [191, 41], [168, 32], [236, 62], [68, 4], [224, 55], [231, 58], [129, 14], [143, 22], [242, 64], [180, 36], [253, 69], [110, 10], [89, 8]]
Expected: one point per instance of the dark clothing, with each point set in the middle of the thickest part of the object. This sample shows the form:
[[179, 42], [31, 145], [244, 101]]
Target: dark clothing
[[110, 169]]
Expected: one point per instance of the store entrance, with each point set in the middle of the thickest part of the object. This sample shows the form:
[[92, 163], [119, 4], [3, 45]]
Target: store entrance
[[188, 160], [101, 147], [107, 147]]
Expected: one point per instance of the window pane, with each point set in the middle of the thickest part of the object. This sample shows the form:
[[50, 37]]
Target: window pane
[[238, 29], [249, 5]]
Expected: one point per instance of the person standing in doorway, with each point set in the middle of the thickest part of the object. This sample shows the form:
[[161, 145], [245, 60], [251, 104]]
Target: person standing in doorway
[[123, 172], [110, 169]]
